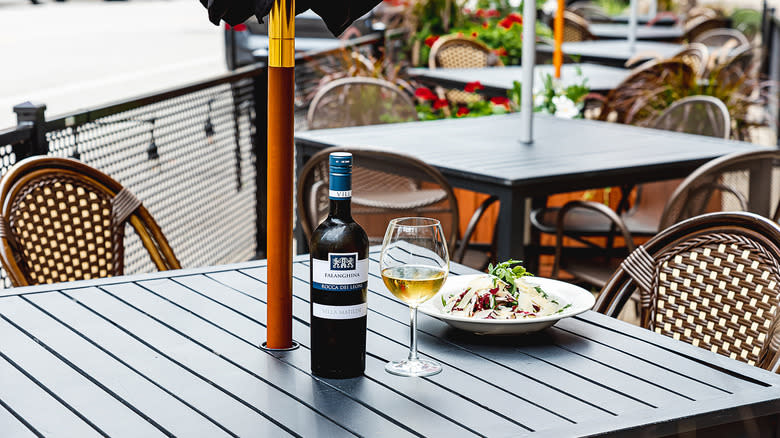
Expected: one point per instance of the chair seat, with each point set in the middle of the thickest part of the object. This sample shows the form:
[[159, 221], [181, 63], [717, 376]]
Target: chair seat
[[596, 270], [398, 200], [582, 222]]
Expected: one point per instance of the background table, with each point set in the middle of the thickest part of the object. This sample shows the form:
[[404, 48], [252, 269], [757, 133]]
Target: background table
[[176, 353], [497, 80], [611, 52], [485, 155], [620, 31]]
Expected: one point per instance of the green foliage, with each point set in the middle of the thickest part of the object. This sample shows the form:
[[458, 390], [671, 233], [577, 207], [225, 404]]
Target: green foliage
[[508, 271], [612, 7], [552, 98]]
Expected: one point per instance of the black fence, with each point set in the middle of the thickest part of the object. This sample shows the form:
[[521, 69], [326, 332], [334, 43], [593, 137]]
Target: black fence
[[195, 155]]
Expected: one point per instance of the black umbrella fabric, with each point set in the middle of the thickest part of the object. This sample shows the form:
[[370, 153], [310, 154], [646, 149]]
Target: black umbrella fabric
[[337, 14]]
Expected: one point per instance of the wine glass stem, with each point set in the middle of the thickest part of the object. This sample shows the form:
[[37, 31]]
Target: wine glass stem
[[413, 333]]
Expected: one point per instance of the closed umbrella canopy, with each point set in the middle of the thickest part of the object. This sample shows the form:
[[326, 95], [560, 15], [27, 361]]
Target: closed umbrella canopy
[[337, 14]]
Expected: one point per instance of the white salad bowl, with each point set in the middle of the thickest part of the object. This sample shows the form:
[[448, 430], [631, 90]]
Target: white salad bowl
[[564, 293]]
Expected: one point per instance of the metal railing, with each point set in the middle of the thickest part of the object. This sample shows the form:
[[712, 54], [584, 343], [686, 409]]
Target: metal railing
[[195, 155]]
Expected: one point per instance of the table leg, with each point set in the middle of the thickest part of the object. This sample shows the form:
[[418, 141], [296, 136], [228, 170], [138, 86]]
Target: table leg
[[760, 192], [511, 219]]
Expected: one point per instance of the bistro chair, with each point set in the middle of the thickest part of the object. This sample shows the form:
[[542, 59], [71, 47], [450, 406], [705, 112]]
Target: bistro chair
[[710, 281], [63, 221], [697, 26], [722, 37], [589, 11], [742, 66], [696, 55], [627, 99], [722, 184], [702, 115], [458, 52], [575, 28], [453, 51], [359, 101], [385, 183]]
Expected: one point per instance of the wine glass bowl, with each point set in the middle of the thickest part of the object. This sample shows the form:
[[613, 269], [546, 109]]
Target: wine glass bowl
[[414, 264]]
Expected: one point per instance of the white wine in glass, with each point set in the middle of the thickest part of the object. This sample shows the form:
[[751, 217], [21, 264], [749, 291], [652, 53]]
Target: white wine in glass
[[414, 265]]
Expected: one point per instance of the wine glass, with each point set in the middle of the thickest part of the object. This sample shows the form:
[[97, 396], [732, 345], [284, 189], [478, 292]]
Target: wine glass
[[414, 264]]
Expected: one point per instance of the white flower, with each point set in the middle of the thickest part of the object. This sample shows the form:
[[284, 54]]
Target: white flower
[[550, 7], [538, 100], [564, 107]]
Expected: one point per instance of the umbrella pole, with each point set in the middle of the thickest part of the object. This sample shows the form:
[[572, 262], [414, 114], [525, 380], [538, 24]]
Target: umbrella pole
[[633, 18], [281, 89], [528, 61], [558, 34]]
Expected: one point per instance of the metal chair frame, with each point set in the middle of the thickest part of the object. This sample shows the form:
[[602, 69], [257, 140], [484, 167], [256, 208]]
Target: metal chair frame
[[53, 223], [711, 281]]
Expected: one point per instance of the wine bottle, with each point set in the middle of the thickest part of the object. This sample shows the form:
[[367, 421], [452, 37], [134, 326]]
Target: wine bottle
[[339, 282]]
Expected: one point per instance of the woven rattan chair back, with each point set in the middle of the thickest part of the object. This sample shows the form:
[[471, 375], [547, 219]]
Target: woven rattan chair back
[[742, 66], [384, 184], [697, 56], [575, 28], [724, 184], [701, 115], [359, 101], [453, 51], [590, 11], [699, 25], [630, 97], [63, 221], [711, 281], [721, 37]]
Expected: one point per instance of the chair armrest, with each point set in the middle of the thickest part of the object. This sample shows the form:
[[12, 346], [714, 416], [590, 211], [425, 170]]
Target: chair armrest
[[589, 205], [460, 252]]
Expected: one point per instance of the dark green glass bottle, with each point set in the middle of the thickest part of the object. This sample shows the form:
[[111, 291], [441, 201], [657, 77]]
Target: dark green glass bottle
[[339, 282]]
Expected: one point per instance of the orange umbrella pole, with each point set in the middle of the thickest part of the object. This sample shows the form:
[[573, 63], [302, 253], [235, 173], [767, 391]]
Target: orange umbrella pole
[[281, 89], [558, 33]]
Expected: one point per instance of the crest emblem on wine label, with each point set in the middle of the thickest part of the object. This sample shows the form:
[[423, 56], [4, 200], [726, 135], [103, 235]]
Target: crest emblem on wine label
[[343, 262]]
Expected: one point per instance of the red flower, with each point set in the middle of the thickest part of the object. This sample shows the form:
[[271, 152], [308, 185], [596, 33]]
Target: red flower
[[474, 34], [498, 100], [515, 17], [424, 94], [467, 11], [440, 103], [485, 25], [462, 111], [481, 13], [508, 21], [492, 13], [472, 87], [431, 40], [501, 51]]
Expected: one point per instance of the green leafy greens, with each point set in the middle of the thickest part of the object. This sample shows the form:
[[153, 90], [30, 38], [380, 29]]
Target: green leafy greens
[[506, 272]]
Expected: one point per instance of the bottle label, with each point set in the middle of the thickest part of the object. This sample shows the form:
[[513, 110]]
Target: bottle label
[[339, 312], [341, 272]]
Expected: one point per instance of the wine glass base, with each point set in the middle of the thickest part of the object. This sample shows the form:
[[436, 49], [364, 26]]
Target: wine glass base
[[413, 368]]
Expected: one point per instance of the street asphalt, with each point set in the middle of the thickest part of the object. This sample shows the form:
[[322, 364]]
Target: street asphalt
[[80, 53]]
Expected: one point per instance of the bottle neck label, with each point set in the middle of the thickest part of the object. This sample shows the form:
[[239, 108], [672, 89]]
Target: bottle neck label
[[340, 186]]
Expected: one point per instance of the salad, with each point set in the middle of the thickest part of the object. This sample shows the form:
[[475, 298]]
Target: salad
[[504, 293]]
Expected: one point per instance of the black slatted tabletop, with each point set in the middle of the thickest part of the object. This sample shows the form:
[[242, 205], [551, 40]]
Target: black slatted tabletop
[[485, 155], [176, 354], [613, 52], [497, 80], [620, 31]]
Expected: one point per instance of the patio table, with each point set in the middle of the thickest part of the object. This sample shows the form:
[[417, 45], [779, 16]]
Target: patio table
[[497, 80], [176, 354], [620, 31], [612, 52], [485, 155]]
